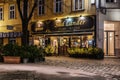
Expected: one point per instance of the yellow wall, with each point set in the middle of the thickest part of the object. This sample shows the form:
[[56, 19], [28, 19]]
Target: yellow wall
[[5, 41], [6, 20], [49, 14]]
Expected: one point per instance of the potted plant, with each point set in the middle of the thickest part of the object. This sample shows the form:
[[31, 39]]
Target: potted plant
[[11, 53], [34, 53], [25, 57], [37, 54]]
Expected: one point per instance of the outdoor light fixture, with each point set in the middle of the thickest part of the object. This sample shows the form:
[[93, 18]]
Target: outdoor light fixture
[[81, 17], [69, 19], [64, 40], [78, 40], [58, 20], [40, 23]]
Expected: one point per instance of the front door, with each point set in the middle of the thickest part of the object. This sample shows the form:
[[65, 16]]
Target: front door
[[109, 43]]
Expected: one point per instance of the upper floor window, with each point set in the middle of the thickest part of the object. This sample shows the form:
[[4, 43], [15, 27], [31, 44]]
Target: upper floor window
[[1, 13], [41, 7], [58, 6], [12, 11], [109, 0], [77, 5]]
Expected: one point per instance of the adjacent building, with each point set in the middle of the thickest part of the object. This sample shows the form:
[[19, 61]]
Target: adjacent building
[[108, 26]]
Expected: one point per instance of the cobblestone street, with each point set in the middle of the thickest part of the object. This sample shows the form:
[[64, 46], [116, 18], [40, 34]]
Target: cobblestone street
[[109, 67], [63, 68]]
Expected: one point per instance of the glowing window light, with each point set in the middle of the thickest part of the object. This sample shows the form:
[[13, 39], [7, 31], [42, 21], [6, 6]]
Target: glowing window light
[[69, 19]]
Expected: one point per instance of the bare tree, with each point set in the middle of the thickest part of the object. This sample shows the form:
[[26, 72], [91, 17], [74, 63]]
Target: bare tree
[[25, 17]]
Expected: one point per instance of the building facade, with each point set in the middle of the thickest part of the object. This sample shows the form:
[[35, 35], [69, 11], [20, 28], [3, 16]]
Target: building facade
[[108, 26], [10, 24], [63, 24], [59, 23]]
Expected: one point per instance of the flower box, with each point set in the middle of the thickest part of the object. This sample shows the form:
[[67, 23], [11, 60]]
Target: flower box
[[11, 59]]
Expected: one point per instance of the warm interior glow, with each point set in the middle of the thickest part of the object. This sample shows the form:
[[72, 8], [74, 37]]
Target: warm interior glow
[[109, 27]]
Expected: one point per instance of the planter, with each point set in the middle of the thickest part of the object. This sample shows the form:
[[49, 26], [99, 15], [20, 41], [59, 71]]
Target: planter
[[25, 60], [11, 59]]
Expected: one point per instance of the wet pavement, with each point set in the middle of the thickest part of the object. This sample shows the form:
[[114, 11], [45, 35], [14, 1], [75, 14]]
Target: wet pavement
[[63, 68]]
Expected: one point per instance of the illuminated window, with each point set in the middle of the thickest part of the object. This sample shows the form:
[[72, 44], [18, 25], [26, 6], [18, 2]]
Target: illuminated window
[[41, 7], [92, 1], [77, 5], [1, 13], [12, 11], [58, 6]]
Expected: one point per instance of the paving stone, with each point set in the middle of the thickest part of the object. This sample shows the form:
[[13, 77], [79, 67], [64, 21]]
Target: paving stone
[[106, 66]]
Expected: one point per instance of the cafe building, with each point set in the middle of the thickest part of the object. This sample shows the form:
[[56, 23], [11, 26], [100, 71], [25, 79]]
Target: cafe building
[[66, 32], [65, 24]]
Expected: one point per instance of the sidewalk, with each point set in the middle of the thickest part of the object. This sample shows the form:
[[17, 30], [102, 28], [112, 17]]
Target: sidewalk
[[23, 72], [65, 68]]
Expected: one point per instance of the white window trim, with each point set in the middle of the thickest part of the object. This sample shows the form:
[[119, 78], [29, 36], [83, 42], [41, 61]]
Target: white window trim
[[12, 10], [42, 5], [54, 5], [1, 14], [73, 5]]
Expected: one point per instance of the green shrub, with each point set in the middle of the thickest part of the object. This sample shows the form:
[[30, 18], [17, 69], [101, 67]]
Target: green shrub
[[32, 52], [11, 50], [95, 53]]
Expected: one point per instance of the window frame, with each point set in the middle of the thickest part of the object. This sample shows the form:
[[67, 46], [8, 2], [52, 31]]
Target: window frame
[[1, 13], [78, 9], [42, 6], [58, 6], [11, 15]]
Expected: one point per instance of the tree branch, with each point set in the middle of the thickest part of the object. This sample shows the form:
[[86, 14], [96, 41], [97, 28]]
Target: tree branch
[[20, 12], [33, 8]]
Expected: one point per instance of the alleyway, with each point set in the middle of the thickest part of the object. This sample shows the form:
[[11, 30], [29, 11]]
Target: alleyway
[[63, 68]]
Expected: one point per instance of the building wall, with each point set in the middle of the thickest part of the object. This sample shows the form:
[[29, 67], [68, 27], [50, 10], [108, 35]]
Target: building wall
[[49, 11], [16, 23], [6, 20], [49, 14]]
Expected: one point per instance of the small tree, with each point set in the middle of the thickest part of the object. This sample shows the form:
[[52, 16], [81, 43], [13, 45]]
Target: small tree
[[25, 18]]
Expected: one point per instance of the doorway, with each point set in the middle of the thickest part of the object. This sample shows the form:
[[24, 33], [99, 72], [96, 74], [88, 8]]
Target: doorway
[[109, 43]]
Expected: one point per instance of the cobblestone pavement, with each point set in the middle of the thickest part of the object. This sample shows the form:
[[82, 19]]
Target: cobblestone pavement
[[109, 67]]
